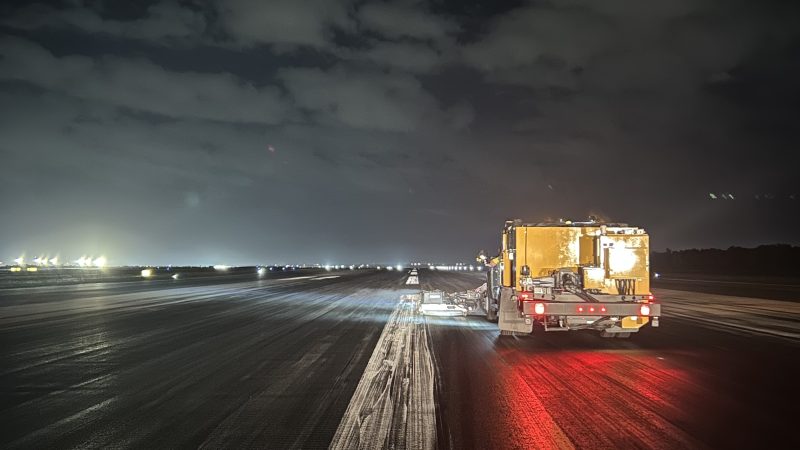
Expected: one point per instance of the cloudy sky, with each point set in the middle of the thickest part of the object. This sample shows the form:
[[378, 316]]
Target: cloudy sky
[[253, 131]]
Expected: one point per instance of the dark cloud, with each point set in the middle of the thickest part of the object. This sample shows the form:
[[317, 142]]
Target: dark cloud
[[138, 84], [287, 22], [162, 22], [366, 99], [405, 56], [248, 131], [405, 20]]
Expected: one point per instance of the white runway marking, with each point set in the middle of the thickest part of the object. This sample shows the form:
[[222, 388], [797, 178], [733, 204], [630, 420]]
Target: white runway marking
[[393, 405]]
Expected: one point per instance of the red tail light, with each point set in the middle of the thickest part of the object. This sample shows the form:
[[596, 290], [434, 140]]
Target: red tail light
[[580, 308], [602, 308], [525, 296], [644, 310], [539, 308], [650, 298]]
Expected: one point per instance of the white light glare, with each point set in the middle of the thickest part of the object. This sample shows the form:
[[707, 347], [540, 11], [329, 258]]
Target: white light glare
[[100, 262], [147, 273], [261, 270], [399, 267], [20, 260], [220, 267]]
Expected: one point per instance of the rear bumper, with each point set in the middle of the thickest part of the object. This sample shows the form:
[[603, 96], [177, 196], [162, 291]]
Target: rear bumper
[[591, 309]]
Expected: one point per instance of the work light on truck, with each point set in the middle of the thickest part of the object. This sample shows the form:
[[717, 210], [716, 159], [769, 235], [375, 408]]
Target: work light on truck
[[644, 310]]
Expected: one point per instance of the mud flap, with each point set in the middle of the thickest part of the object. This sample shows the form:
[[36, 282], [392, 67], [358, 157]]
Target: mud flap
[[510, 321]]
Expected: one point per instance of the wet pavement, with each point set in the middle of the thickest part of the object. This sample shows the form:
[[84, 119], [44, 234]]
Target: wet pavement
[[235, 363], [683, 385], [274, 363]]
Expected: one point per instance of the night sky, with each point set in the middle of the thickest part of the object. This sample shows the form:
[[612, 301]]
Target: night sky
[[251, 131]]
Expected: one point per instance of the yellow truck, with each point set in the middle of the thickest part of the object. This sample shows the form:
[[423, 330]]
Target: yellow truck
[[571, 276]]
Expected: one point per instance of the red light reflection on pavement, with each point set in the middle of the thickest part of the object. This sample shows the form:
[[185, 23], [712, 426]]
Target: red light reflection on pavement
[[596, 399], [528, 421]]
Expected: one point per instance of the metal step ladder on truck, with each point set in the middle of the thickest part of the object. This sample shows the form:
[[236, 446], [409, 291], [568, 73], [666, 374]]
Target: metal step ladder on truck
[[571, 276]]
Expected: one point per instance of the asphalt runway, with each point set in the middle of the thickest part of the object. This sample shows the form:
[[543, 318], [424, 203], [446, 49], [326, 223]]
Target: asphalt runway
[[686, 384], [206, 363], [787, 289], [239, 362]]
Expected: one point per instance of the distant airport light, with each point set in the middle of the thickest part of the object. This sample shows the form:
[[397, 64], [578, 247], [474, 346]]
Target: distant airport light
[[261, 271], [16, 269], [100, 262], [20, 260], [54, 261], [176, 276], [220, 267], [147, 273], [399, 267], [32, 269]]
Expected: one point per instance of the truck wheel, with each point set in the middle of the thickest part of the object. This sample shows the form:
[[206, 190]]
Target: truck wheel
[[606, 334], [491, 314], [624, 335]]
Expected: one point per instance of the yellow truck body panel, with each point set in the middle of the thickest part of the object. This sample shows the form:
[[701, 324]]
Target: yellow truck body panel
[[606, 257]]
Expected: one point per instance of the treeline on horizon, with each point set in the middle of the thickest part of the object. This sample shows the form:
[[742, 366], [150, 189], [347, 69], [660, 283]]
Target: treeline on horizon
[[776, 259]]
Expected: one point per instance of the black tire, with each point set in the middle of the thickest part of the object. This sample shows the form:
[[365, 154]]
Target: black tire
[[623, 335], [491, 314]]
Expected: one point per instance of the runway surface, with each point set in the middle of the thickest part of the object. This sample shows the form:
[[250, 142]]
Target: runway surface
[[286, 362], [698, 381], [269, 363], [777, 288]]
